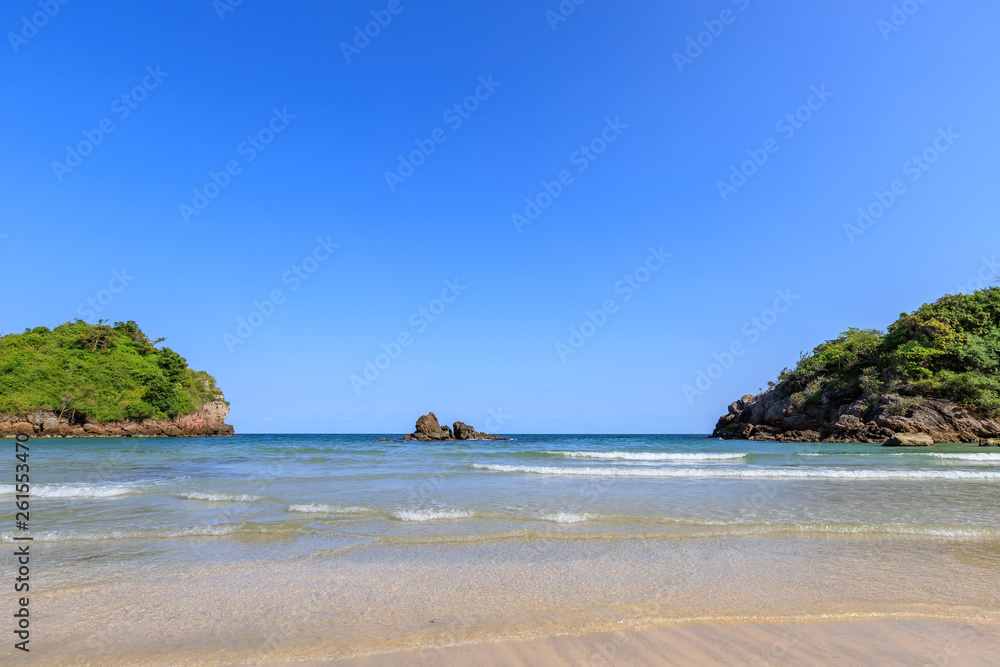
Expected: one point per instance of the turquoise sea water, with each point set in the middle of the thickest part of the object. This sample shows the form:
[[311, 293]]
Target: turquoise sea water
[[587, 528], [90, 494]]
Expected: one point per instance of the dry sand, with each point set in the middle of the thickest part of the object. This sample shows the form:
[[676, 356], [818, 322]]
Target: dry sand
[[868, 642]]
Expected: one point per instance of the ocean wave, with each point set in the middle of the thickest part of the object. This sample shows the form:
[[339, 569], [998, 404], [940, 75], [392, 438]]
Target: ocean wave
[[968, 457], [777, 473], [109, 535], [330, 509], [415, 514], [74, 490], [220, 497], [567, 517], [431, 515], [751, 529], [126, 534], [653, 456], [700, 530]]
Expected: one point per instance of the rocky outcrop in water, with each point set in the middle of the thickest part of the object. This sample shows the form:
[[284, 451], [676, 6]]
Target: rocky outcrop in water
[[428, 429], [210, 420], [910, 440], [843, 416]]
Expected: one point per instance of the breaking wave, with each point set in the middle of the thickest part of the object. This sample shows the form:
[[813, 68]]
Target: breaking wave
[[654, 456], [777, 473]]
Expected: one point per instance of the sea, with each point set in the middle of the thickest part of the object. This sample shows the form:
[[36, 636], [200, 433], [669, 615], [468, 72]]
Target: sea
[[261, 548]]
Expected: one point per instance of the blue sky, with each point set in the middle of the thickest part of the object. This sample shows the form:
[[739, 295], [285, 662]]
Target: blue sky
[[611, 119]]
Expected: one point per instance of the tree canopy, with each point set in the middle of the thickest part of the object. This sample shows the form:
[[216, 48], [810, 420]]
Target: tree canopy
[[949, 349], [97, 371]]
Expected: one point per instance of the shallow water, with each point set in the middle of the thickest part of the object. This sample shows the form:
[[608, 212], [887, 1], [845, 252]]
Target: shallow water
[[351, 546]]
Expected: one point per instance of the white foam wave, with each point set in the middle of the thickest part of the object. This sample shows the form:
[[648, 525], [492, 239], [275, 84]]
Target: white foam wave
[[101, 535], [969, 457], [80, 491], [964, 532], [903, 529], [329, 509], [654, 456], [214, 531], [74, 490], [220, 497], [430, 515], [567, 517], [793, 473]]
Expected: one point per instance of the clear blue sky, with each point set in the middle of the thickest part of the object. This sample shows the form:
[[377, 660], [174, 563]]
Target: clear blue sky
[[676, 128]]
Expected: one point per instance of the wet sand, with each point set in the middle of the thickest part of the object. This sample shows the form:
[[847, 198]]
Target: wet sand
[[593, 601], [868, 642]]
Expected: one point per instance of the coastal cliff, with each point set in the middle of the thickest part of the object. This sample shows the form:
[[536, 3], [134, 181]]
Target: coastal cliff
[[84, 380], [209, 420], [840, 417], [935, 372]]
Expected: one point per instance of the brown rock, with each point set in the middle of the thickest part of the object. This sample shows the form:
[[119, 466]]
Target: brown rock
[[209, 420], [23, 427], [909, 440], [428, 429], [844, 416], [465, 432], [428, 426]]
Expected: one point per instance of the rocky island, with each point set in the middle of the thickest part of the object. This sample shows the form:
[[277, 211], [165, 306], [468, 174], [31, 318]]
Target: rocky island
[[428, 429], [933, 376], [96, 380]]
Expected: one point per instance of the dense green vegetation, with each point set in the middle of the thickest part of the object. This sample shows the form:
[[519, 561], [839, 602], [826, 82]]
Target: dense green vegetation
[[949, 349], [107, 373]]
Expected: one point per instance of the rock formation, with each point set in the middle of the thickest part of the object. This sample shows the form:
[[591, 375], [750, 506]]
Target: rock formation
[[910, 440], [428, 429], [210, 420], [465, 432], [842, 416]]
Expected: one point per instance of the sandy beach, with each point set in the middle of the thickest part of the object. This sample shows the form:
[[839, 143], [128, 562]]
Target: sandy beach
[[546, 550], [867, 642]]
